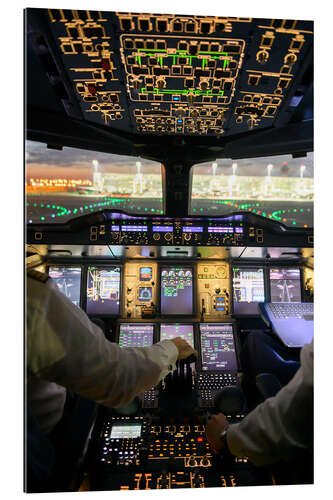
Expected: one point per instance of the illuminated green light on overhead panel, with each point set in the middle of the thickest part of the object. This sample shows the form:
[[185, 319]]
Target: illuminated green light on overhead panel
[[185, 92]]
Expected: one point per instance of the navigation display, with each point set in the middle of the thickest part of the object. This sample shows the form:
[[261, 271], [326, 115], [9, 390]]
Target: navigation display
[[68, 280], [136, 335], [173, 330], [248, 289], [103, 290], [285, 285], [145, 293], [217, 347], [126, 431], [176, 290], [146, 273]]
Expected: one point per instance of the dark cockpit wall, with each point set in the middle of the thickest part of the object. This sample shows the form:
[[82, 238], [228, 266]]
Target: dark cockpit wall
[[97, 87]]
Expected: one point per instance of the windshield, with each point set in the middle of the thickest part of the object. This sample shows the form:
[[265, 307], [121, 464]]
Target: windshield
[[64, 184], [280, 188]]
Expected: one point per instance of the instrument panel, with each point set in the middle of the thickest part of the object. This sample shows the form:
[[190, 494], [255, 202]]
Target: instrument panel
[[151, 289]]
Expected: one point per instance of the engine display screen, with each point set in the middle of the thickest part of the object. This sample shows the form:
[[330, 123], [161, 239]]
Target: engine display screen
[[68, 280], [176, 290], [136, 335], [103, 290], [126, 431], [248, 289], [173, 330], [145, 293], [146, 273], [217, 347], [285, 285]]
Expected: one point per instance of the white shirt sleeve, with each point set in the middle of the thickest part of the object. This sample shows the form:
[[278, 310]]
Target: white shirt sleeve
[[281, 427], [65, 347]]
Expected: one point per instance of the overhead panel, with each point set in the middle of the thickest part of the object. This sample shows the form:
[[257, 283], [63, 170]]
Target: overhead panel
[[181, 75]]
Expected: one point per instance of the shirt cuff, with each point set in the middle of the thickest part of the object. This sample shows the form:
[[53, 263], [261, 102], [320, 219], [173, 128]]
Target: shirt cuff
[[171, 355]]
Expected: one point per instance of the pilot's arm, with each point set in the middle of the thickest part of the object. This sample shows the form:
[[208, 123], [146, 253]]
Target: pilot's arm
[[65, 348], [280, 428]]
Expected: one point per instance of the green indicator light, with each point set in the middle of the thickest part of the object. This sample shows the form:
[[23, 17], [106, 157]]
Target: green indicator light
[[301, 210], [86, 207], [53, 206], [35, 204], [194, 210], [48, 206], [145, 209], [257, 205], [264, 214], [152, 210], [42, 218], [58, 207], [294, 223], [42, 205]]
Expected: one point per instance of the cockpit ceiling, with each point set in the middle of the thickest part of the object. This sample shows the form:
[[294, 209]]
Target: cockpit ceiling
[[209, 78]]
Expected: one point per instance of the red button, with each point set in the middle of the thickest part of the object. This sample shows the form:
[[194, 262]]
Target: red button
[[106, 64]]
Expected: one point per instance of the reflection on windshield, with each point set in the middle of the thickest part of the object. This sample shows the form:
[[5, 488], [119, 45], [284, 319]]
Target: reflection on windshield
[[279, 188], [61, 185]]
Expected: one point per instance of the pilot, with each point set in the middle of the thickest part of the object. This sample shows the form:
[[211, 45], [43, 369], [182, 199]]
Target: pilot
[[64, 349], [279, 429]]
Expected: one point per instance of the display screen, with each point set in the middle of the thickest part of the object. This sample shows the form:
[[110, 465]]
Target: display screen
[[103, 290], [192, 229], [126, 431], [173, 330], [68, 280], [249, 289], [162, 229], [145, 293], [134, 228], [176, 290], [136, 335], [217, 347], [146, 273], [285, 285]]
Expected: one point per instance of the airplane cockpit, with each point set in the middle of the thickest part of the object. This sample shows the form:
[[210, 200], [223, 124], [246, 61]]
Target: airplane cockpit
[[169, 193]]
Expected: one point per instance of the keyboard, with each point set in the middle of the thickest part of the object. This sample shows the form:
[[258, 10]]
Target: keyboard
[[209, 384], [284, 310]]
